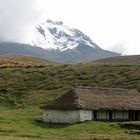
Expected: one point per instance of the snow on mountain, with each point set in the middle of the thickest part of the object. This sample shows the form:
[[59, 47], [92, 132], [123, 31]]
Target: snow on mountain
[[53, 35], [57, 42]]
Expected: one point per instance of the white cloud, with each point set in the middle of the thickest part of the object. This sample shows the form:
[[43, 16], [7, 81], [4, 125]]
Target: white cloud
[[17, 19], [107, 22], [119, 47]]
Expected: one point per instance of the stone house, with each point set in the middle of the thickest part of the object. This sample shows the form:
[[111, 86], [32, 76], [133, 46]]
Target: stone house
[[87, 103]]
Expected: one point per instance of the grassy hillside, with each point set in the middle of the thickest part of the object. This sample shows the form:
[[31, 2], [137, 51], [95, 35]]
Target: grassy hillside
[[34, 80], [127, 60], [27, 82], [23, 60]]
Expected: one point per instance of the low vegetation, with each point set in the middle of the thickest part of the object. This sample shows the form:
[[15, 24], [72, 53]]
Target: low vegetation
[[127, 60], [26, 124], [29, 83]]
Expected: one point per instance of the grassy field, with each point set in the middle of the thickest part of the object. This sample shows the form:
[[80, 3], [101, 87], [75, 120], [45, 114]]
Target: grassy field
[[27, 82], [26, 124]]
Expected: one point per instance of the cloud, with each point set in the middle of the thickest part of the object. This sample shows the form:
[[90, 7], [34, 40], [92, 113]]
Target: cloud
[[105, 21], [17, 18], [126, 47], [119, 47], [132, 47]]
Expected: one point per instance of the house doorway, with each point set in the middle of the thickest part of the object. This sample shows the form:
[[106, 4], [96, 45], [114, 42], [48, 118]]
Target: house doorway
[[134, 115], [94, 114]]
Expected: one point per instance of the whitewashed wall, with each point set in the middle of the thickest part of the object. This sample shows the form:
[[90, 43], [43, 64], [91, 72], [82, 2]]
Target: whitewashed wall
[[74, 116], [85, 115], [57, 116]]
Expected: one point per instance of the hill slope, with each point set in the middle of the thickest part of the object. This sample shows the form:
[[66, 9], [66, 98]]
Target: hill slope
[[23, 85], [127, 60], [16, 48], [23, 60], [31, 82], [79, 54]]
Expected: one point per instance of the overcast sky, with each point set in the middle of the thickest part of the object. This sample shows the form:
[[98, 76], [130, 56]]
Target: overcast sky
[[112, 24]]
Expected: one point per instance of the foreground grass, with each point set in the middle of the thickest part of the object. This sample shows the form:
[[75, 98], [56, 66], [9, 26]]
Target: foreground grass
[[26, 124]]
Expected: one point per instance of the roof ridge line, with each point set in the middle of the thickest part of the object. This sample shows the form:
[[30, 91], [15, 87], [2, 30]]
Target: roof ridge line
[[77, 101]]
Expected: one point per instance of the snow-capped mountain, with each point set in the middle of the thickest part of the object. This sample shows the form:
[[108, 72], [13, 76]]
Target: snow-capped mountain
[[57, 36], [67, 45], [56, 41]]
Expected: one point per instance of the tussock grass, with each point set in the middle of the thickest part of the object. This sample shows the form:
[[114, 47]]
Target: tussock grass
[[24, 88], [20, 86]]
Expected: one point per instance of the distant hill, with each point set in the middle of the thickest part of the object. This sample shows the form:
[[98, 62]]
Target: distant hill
[[127, 60], [79, 54], [23, 60], [16, 48]]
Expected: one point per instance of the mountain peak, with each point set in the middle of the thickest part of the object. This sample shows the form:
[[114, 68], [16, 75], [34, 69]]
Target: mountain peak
[[55, 35], [55, 22], [67, 45]]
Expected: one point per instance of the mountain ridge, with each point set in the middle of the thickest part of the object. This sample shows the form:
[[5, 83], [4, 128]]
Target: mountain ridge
[[57, 36], [69, 57], [68, 45], [57, 42]]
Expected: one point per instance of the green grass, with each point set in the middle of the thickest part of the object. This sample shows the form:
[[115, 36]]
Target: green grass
[[27, 84], [27, 124]]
